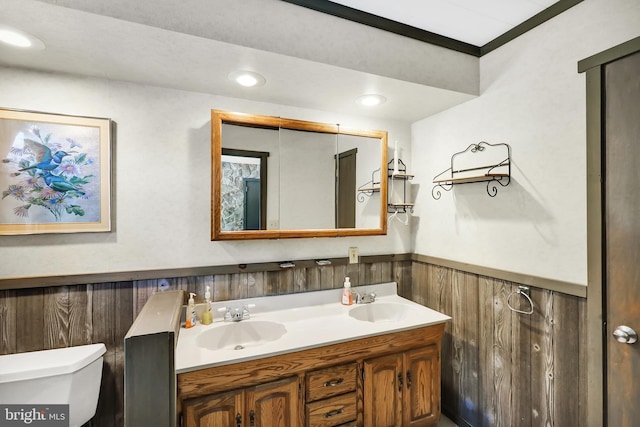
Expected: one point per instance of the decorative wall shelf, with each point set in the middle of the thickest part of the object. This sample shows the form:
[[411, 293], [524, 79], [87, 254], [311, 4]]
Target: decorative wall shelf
[[482, 162], [398, 174], [370, 187]]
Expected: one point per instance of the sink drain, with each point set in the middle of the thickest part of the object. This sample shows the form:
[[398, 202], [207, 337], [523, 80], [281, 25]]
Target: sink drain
[[239, 347]]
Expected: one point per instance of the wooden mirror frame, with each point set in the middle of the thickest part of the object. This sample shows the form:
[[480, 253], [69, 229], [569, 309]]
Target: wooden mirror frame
[[218, 118]]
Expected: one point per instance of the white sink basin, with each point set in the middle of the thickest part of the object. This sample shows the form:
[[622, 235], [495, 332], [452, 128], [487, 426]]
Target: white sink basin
[[240, 335], [380, 312]]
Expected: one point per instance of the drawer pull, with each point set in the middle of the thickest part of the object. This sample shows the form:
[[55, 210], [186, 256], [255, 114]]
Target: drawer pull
[[333, 413], [333, 383]]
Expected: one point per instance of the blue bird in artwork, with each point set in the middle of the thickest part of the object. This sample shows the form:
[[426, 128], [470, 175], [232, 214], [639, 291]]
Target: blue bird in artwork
[[44, 159], [60, 184]]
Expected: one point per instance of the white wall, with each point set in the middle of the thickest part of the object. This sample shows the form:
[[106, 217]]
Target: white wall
[[161, 182], [532, 98]]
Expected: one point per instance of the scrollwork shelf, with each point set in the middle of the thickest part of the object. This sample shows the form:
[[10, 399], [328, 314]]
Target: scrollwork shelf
[[481, 162]]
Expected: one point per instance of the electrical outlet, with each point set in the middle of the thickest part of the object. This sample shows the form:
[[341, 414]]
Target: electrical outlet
[[353, 255]]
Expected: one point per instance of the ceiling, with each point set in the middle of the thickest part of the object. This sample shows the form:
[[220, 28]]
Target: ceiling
[[476, 22], [194, 44]]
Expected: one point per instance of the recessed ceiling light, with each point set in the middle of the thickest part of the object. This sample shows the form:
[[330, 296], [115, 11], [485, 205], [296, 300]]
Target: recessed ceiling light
[[247, 78], [371, 100], [17, 38]]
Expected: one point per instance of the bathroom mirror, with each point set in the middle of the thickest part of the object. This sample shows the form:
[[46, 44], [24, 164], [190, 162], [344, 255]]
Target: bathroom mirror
[[275, 178]]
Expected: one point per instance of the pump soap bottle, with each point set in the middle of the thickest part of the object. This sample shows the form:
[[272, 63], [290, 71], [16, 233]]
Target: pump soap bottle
[[347, 298], [207, 315], [191, 312]]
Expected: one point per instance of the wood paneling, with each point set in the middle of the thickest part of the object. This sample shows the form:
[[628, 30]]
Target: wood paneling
[[38, 318], [501, 368]]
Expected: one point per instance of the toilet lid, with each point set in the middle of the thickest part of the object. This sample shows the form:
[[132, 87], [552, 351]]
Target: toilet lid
[[46, 363]]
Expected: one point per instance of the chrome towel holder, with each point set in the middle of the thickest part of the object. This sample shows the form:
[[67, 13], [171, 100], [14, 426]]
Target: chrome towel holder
[[524, 292]]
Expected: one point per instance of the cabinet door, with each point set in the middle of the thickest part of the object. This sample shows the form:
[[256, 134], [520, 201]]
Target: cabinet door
[[422, 387], [276, 404], [217, 410], [383, 384]]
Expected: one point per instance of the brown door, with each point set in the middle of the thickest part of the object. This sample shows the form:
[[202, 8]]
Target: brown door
[[421, 403], [621, 201], [346, 190], [274, 404], [217, 410], [383, 384]]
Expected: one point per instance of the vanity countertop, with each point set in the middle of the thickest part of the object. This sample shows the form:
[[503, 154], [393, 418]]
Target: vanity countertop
[[308, 320]]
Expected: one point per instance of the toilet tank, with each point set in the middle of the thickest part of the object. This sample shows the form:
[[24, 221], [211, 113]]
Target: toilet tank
[[69, 375]]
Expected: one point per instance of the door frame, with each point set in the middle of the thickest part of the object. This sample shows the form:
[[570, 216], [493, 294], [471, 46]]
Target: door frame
[[593, 66]]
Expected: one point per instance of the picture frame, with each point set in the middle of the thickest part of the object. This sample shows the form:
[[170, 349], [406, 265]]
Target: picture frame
[[55, 173]]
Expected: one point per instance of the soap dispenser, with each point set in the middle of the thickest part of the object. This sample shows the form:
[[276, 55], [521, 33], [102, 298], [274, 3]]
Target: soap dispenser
[[191, 312], [207, 315], [347, 298]]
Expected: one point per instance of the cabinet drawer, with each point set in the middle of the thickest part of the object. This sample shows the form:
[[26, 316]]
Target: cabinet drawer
[[331, 412], [331, 381]]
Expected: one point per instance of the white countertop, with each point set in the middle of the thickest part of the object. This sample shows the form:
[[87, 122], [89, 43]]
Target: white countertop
[[311, 319]]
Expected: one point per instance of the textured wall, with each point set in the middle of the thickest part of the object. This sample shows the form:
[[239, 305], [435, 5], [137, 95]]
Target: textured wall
[[233, 193], [532, 98], [161, 182]]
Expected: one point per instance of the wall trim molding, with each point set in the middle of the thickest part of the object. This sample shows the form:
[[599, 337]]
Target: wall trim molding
[[531, 23], [126, 276], [616, 52], [385, 24], [395, 27], [569, 288]]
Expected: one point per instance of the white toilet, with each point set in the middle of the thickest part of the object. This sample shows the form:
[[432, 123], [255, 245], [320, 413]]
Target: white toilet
[[69, 375]]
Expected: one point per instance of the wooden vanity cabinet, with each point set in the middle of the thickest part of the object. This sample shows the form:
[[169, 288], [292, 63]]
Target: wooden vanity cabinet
[[403, 389], [275, 404], [385, 380]]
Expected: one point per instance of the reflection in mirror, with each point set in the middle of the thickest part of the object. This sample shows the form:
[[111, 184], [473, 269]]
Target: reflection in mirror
[[283, 178], [244, 190], [359, 156], [307, 180]]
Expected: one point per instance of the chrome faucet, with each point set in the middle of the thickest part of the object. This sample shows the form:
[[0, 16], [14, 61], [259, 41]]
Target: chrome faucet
[[366, 298], [236, 314]]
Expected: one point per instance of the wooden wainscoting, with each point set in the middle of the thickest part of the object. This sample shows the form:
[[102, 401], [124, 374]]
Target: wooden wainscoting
[[39, 318], [501, 368]]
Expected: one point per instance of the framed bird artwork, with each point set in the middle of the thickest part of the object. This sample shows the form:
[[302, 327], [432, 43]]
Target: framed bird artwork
[[55, 173]]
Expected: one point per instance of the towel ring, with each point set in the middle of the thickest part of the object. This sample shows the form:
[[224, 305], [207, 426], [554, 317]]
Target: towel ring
[[524, 291]]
